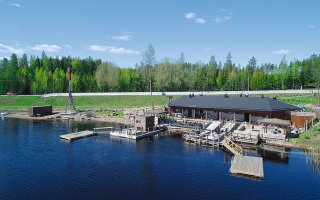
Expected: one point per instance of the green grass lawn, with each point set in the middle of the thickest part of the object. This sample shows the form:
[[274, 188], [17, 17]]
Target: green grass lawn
[[310, 138], [301, 99], [20, 103]]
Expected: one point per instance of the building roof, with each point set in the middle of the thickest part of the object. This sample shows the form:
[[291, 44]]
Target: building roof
[[232, 103], [156, 111]]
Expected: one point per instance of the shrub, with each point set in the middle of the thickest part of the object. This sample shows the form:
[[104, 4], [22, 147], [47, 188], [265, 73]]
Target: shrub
[[317, 128], [306, 137]]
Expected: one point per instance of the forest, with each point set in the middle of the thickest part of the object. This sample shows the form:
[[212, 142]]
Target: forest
[[39, 75]]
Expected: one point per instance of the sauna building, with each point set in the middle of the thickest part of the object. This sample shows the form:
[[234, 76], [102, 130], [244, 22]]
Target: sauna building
[[249, 109]]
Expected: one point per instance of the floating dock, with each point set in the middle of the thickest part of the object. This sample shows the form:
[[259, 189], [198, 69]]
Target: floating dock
[[77, 135], [247, 165]]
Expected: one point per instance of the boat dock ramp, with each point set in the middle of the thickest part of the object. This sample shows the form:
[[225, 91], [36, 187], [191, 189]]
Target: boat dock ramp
[[232, 146]]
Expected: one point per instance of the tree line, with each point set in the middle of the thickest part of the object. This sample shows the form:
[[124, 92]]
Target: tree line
[[39, 75]]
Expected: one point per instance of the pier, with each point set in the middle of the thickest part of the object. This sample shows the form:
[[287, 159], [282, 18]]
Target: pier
[[77, 135]]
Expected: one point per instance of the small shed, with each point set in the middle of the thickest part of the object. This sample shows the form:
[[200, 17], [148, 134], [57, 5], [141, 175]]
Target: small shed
[[35, 111], [143, 122], [299, 119]]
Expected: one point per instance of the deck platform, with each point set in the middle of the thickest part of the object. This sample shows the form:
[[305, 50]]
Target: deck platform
[[77, 135], [247, 165]]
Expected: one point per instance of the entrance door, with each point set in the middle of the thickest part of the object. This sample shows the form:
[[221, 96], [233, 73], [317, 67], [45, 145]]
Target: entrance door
[[246, 117]]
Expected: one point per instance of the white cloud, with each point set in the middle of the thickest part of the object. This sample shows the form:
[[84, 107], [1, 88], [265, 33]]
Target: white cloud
[[117, 50], [68, 46], [312, 26], [223, 15], [16, 5], [189, 15], [223, 19], [10, 49], [46, 47], [125, 37], [200, 21], [281, 52], [98, 48]]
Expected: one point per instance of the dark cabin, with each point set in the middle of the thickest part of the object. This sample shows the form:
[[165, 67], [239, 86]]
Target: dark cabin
[[35, 111]]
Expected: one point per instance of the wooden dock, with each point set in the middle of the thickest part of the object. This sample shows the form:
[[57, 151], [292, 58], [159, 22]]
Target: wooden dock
[[247, 165], [77, 135]]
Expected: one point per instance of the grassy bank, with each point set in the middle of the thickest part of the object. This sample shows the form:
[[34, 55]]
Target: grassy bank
[[310, 138], [20, 103], [301, 99]]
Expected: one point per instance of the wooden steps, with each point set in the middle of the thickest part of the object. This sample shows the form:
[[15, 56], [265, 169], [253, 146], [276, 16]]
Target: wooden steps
[[231, 146]]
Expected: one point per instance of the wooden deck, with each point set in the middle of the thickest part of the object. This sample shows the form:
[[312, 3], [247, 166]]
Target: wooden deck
[[77, 135], [247, 165]]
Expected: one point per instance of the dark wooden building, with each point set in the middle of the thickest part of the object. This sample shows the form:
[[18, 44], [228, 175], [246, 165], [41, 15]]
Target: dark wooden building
[[303, 119], [142, 122], [35, 111], [247, 109]]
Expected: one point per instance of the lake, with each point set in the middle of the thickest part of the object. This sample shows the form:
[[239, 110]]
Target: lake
[[36, 164]]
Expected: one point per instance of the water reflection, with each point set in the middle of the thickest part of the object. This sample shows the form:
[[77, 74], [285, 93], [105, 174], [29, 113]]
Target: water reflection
[[274, 154], [313, 158]]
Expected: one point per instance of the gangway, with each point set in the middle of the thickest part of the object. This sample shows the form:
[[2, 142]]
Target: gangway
[[232, 146]]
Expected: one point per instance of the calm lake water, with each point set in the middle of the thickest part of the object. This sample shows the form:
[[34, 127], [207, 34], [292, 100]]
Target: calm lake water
[[36, 164]]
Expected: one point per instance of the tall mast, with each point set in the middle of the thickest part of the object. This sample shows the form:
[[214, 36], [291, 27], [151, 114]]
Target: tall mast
[[70, 108]]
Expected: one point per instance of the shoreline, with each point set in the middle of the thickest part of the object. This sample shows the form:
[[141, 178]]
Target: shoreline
[[76, 117], [58, 115]]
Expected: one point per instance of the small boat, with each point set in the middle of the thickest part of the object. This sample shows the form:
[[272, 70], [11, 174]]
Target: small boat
[[5, 113]]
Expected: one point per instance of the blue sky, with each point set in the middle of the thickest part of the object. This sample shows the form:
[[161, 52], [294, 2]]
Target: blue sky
[[120, 31]]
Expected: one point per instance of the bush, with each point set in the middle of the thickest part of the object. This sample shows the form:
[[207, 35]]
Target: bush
[[317, 128], [306, 137]]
